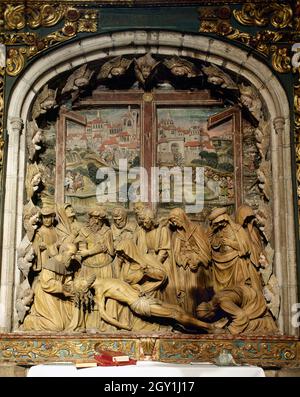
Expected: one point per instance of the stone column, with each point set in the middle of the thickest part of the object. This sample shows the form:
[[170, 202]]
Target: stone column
[[284, 224], [15, 128]]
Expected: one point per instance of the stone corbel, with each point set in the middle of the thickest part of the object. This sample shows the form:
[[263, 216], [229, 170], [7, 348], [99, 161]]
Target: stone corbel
[[17, 125], [279, 123]]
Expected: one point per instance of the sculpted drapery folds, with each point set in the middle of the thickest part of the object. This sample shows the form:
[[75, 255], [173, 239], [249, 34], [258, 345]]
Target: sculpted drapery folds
[[191, 255], [142, 305], [236, 281], [246, 218], [145, 273], [96, 250], [230, 251], [154, 238], [53, 308], [68, 227], [246, 308], [45, 243]]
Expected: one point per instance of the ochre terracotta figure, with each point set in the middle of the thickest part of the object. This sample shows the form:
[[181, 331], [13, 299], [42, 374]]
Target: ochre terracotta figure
[[53, 307], [143, 305], [97, 251], [246, 308], [191, 255], [145, 273], [68, 227], [45, 243]]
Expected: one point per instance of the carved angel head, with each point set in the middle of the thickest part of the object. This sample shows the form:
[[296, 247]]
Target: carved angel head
[[35, 138], [181, 68], [33, 179], [46, 100], [79, 78], [216, 76], [144, 66], [114, 68], [249, 98]]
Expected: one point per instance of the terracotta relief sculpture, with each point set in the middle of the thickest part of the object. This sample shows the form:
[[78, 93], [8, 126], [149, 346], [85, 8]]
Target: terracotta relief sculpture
[[236, 255], [35, 139], [250, 99], [114, 68], [190, 256], [181, 67], [144, 68], [53, 308], [45, 101], [96, 268], [79, 79], [217, 77]]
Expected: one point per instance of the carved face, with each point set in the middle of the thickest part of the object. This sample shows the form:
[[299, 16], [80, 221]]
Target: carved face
[[48, 104], [95, 222], [145, 70], [69, 254], [116, 71], [36, 179], [70, 211], [119, 221], [178, 71], [147, 222], [176, 221], [48, 220], [216, 80]]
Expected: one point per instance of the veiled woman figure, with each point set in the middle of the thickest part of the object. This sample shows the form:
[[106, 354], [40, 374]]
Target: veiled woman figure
[[191, 255], [246, 218], [231, 251], [144, 273]]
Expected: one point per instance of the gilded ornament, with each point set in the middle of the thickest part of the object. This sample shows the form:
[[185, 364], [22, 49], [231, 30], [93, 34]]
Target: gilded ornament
[[15, 60], [88, 23], [46, 15], [279, 15], [14, 17], [281, 61], [72, 14], [69, 29]]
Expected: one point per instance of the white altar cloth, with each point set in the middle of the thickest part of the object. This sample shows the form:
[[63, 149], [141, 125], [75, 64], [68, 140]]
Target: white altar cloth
[[146, 369]]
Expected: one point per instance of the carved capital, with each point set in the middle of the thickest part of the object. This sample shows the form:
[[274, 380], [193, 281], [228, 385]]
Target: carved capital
[[16, 125], [279, 123]]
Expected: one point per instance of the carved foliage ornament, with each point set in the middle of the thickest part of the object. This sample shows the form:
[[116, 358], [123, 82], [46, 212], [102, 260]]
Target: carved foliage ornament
[[283, 353], [279, 15], [17, 17], [260, 15], [35, 16]]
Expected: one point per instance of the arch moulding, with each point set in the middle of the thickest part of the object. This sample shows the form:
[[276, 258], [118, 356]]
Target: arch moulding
[[200, 47]]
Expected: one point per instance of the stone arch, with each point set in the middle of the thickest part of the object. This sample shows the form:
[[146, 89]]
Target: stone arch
[[137, 42]]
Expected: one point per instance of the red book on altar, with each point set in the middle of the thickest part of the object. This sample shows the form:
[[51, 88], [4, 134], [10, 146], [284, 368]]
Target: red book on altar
[[109, 357]]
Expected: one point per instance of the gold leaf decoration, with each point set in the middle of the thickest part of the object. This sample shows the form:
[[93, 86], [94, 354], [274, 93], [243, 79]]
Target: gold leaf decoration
[[260, 41], [263, 352], [281, 61], [18, 38], [14, 17], [15, 61], [279, 15], [88, 23], [43, 15], [46, 15]]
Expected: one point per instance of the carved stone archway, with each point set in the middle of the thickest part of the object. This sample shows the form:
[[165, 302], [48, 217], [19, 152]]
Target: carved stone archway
[[165, 43]]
